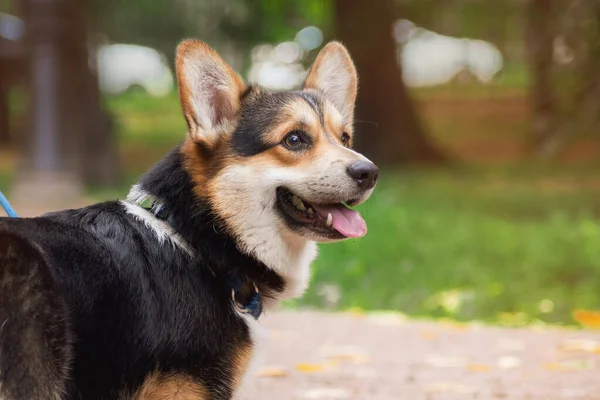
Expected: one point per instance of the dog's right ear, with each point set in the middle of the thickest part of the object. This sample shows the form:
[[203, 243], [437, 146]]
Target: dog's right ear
[[209, 91]]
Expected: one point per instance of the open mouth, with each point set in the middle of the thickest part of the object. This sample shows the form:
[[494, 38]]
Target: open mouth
[[335, 221]]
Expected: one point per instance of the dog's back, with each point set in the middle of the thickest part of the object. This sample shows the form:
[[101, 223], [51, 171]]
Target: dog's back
[[90, 296], [35, 345]]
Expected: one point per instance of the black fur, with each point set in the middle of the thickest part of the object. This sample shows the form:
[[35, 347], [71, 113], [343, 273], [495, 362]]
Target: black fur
[[98, 303], [35, 336]]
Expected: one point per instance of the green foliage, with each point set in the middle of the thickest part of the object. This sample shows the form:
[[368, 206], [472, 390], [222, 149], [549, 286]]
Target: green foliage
[[238, 23], [158, 24], [468, 18], [6, 6], [276, 20]]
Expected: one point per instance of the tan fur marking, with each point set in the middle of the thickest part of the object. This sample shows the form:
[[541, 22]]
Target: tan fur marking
[[200, 169], [334, 123], [160, 386], [195, 165], [296, 115], [304, 114], [241, 362]]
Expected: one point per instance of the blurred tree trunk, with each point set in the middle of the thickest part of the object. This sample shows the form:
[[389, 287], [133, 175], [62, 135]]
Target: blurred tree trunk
[[100, 163], [392, 132], [67, 139], [4, 121], [70, 130], [581, 28], [541, 30], [49, 158]]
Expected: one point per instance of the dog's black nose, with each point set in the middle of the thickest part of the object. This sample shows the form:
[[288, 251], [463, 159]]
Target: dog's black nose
[[365, 173]]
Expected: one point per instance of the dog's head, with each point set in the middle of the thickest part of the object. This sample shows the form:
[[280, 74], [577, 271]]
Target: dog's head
[[275, 167]]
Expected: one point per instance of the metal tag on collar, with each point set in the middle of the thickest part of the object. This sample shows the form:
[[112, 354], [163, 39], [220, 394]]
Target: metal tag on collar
[[254, 305]]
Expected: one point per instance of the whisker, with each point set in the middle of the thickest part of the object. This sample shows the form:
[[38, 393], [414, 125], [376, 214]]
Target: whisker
[[375, 124]]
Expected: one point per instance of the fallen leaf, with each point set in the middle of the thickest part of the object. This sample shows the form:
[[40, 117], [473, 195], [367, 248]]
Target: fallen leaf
[[350, 354], [355, 312], [587, 318], [576, 364], [579, 364], [478, 367], [310, 368], [461, 327], [272, 372], [554, 366], [455, 326], [350, 358]]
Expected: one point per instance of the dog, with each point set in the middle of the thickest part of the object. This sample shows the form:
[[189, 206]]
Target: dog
[[158, 296]]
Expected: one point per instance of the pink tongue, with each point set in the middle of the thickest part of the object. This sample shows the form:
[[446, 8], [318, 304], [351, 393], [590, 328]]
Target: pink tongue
[[346, 221]]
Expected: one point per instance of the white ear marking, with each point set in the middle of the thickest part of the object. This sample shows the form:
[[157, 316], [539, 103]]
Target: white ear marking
[[209, 91], [334, 74]]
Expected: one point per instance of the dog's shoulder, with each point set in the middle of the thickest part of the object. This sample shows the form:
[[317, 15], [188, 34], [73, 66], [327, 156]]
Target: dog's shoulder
[[100, 243]]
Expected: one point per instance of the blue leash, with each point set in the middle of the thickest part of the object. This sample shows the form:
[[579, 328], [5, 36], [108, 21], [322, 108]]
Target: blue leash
[[7, 207]]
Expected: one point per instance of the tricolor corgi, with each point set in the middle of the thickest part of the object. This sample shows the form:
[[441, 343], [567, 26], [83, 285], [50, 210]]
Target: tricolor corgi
[[157, 296]]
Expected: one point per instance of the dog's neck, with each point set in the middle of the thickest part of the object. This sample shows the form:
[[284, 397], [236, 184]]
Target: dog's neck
[[168, 191]]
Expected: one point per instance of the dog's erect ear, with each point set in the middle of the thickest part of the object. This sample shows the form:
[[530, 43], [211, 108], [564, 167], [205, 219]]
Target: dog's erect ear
[[334, 74], [209, 91]]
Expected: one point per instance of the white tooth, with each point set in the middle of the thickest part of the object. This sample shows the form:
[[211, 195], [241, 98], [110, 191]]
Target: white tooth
[[329, 219], [311, 211], [298, 203]]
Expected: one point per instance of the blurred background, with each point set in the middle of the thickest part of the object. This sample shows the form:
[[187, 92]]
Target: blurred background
[[484, 116]]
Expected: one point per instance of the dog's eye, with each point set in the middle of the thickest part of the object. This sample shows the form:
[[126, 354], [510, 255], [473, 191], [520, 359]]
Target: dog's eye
[[294, 141], [345, 139]]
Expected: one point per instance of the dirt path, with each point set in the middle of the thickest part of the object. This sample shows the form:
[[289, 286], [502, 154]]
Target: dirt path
[[314, 355]]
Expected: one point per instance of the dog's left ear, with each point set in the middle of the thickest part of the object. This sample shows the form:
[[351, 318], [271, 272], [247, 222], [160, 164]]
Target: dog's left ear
[[209, 91], [334, 74]]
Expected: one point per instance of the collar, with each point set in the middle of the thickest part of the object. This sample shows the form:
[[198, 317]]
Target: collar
[[246, 297], [244, 292]]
